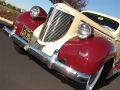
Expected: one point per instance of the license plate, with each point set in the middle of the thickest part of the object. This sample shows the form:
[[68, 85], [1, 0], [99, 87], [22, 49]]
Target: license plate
[[26, 33]]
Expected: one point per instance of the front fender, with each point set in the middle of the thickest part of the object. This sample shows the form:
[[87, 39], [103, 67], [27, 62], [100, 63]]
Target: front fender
[[26, 20], [86, 56]]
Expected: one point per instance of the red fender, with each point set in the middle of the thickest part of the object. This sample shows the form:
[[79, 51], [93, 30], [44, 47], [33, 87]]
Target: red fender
[[27, 20], [86, 56]]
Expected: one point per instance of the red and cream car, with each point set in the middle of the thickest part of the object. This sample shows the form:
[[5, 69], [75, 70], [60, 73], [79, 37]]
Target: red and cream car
[[79, 45]]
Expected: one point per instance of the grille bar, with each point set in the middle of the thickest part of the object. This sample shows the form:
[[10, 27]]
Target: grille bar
[[58, 26], [45, 25]]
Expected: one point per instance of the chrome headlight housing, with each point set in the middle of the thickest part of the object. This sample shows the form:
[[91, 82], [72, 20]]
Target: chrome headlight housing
[[84, 31], [35, 11]]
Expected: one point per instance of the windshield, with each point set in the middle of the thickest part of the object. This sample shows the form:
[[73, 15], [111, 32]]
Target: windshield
[[104, 21]]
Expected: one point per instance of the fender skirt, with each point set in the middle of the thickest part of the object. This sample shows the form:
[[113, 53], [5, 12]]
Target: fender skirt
[[86, 56]]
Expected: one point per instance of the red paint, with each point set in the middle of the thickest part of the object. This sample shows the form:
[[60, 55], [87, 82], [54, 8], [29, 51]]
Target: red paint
[[27, 20], [117, 66], [86, 56], [42, 14]]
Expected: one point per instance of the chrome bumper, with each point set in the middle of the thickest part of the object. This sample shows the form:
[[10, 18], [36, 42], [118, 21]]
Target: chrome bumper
[[51, 61]]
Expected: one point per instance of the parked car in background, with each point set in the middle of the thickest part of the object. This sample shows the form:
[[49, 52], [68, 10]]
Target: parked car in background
[[80, 45]]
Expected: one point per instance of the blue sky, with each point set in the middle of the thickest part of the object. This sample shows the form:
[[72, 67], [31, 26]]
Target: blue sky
[[27, 4], [110, 7]]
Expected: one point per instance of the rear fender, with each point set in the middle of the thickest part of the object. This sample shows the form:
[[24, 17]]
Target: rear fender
[[86, 56]]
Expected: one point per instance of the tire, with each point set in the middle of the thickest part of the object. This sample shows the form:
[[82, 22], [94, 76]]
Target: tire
[[91, 83], [19, 49], [99, 78]]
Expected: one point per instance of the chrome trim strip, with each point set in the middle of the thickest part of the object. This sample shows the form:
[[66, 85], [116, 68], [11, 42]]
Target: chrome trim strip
[[6, 31], [51, 61]]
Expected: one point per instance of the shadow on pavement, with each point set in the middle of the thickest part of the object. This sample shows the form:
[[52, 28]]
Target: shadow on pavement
[[107, 81]]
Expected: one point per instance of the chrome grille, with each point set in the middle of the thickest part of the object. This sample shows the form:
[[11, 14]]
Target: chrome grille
[[56, 26]]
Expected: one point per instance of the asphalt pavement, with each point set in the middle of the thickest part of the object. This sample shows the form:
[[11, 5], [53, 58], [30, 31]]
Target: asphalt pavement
[[24, 72]]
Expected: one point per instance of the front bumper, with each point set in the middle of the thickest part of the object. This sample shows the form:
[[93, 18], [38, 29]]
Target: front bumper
[[51, 61]]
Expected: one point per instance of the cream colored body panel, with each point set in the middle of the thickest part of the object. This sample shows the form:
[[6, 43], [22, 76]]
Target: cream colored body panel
[[37, 31], [52, 46]]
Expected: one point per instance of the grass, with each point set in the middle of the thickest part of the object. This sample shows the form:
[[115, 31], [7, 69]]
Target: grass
[[8, 13]]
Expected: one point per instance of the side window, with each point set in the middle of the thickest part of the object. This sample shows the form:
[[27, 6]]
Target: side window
[[103, 21]]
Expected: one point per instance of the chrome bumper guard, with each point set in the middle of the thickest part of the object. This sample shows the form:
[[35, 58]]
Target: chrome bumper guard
[[51, 61]]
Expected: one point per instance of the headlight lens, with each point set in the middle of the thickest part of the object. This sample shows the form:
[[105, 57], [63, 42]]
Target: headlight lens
[[35, 11], [84, 31]]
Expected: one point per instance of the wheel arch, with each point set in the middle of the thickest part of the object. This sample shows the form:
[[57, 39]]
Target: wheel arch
[[87, 56], [108, 65]]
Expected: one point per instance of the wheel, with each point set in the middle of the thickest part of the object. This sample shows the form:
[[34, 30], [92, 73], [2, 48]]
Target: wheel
[[19, 49], [99, 78], [94, 79]]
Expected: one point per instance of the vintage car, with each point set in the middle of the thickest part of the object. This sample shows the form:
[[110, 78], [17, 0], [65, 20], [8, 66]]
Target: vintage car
[[80, 45]]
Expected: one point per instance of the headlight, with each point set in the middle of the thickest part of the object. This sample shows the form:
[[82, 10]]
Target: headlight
[[84, 31], [35, 11]]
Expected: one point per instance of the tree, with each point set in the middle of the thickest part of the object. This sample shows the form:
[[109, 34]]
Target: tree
[[77, 4], [2, 2]]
